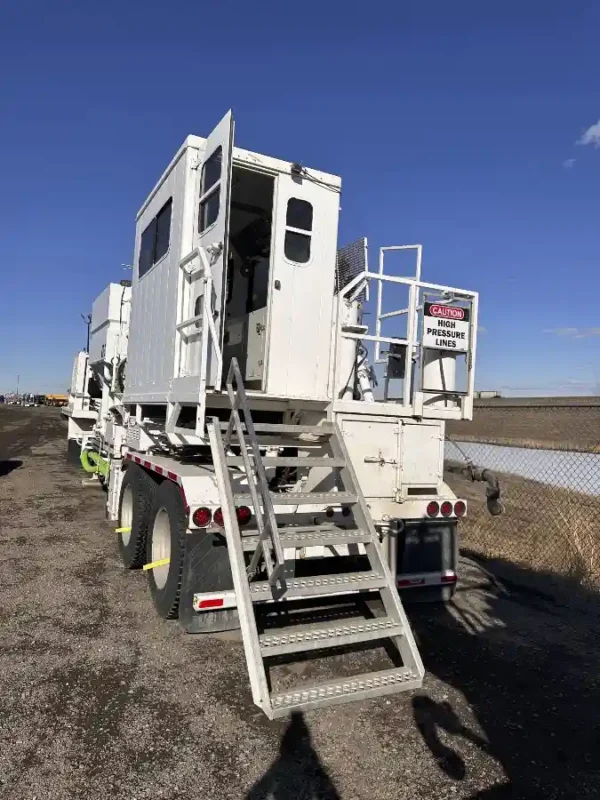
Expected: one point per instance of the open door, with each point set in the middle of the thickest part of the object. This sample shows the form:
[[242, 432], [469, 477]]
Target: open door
[[211, 238]]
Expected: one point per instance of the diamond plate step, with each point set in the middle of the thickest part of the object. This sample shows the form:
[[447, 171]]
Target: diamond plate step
[[320, 585], [302, 498], [311, 537], [292, 461], [302, 638], [345, 690]]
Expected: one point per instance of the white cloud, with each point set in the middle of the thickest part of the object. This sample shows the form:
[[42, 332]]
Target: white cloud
[[591, 135], [574, 333], [481, 329], [568, 163]]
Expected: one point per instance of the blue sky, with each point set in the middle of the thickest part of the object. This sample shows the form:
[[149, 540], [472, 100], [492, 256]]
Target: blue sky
[[453, 124]]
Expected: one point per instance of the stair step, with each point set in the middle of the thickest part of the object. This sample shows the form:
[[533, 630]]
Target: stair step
[[311, 536], [302, 638], [302, 498], [344, 690], [316, 585], [326, 429], [285, 461]]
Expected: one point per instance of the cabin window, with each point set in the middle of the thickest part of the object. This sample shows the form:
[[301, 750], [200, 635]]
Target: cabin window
[[155, 239], [210, 190], [298, 230]]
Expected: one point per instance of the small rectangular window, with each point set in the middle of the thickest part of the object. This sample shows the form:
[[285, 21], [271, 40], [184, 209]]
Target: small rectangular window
[[209, 210], [299, 223], [211, 170], [299, 214], [163, 230], [147, 249], [155, 239], [297, 247]]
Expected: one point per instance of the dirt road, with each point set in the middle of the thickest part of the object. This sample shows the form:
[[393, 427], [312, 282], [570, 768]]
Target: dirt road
[[101, 699]]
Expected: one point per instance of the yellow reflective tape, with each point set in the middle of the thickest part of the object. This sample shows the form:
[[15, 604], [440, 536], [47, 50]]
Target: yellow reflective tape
[[122, 530], [161, 563]]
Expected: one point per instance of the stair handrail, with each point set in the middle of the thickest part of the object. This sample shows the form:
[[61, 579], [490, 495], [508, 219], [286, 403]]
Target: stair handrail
[[257, 478]]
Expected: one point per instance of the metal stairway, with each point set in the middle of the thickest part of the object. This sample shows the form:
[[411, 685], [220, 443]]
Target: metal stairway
[[265, 544]]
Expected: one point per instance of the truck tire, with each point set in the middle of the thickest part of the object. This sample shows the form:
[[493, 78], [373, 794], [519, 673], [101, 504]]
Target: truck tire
[[135, 504], [166, 539]]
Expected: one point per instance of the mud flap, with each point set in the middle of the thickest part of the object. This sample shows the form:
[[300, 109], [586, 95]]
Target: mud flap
[[205, 569]]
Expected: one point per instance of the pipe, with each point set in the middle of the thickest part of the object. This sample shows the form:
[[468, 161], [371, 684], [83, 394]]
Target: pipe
[[93, 462], [492, 490]]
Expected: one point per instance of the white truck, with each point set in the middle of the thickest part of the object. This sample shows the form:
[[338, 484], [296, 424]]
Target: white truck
[[250, 458]]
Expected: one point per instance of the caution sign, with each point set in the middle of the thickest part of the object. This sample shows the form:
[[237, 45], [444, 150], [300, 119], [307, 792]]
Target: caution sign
[[446, 327]]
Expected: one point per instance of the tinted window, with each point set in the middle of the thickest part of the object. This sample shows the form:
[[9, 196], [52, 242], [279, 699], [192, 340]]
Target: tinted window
[[299, 214], [163, 231], [209, 210], [211, 171], [198, 310], [297, 247], [155, 239], [147, 248]]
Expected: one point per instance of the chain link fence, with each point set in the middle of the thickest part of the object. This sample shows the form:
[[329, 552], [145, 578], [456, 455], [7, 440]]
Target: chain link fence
[[547, 459]]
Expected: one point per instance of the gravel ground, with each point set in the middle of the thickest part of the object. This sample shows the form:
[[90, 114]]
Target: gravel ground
[[101, 699]]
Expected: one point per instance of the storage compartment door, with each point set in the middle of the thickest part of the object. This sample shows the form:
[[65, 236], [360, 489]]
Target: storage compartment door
[[211, 238], [422, 460], [373, 445]]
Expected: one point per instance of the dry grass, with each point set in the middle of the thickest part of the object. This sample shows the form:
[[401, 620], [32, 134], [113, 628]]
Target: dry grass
[[544, 528]]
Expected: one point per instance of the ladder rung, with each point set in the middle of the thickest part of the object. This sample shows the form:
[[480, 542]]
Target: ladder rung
[[302, 498], [343, 690], [301, 638], [284, 461], [320, 585], [311, 536]]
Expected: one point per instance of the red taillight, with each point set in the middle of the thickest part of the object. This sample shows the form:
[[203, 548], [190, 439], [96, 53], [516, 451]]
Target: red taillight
[[432, 509], [218, 517], [216, 602], [202, 517], [449, 579], [460, 508], [446, 508], [243, 514]]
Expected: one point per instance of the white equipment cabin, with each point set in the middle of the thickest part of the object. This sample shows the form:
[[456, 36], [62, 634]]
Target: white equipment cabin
[[97, 378], [251, 459]]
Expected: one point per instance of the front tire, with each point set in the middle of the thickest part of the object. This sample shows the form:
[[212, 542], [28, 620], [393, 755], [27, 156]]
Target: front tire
[[166, 539], [135, 504]]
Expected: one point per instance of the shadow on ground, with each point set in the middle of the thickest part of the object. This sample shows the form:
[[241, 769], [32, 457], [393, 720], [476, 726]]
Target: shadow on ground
[[6, 467], [297, 773], [527, 667]]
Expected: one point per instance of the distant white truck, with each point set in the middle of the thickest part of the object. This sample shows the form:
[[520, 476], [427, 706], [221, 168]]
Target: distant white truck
[[249, 457]]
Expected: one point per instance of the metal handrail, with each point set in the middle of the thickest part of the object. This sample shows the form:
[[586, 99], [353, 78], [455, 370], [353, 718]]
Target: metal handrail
[[256, 475]]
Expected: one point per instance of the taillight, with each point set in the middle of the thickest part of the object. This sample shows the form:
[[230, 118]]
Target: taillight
[[202, 517], [446, 508], [243, 514], [433, 509], [460, 508], [218, 517]]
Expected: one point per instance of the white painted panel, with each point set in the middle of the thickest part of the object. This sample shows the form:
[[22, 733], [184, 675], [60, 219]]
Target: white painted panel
[[152, 337], [422, 453], [373, 445], [299, 327]]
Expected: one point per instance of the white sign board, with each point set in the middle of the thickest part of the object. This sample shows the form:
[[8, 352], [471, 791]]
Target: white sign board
[[446, 327]]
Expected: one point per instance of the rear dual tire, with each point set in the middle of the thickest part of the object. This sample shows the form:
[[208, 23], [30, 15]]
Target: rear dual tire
[[166, 539], [135, 505]]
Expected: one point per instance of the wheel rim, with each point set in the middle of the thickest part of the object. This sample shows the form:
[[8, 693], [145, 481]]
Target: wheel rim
[[126, 514], [161, 546]]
